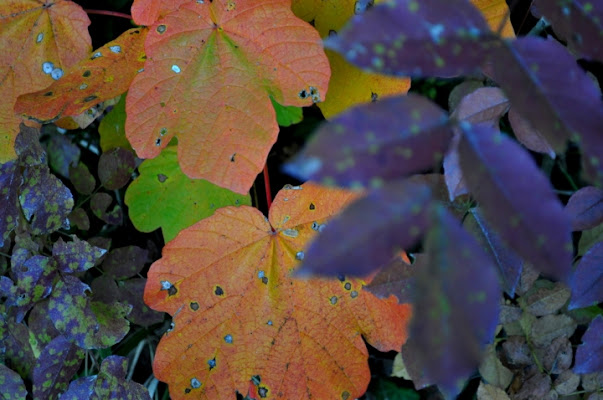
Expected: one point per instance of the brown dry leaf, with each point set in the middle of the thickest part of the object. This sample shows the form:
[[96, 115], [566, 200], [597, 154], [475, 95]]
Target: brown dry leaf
[[517, 352], [546, 298], [550, 327], [567, 383]]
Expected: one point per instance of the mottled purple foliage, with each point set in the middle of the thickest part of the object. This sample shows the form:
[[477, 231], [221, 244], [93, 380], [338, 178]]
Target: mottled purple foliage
[[34, 279], [108, 384], [76, 256], [587, 280], [589, 355], [455, 304], [370, 231], [11, 384], [10, 181], [585, 208], [115, 168], [59, 361], [533, 225], [417, 38], [378, 142]]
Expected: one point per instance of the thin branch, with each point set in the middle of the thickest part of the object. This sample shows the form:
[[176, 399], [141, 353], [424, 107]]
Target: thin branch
[[110, 13]]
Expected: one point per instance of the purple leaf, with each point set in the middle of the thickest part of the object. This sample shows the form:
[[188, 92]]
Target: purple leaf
[[452, 171], [529, 71], [587, 281], [508, 263], [456, 305], [57, 365], [580, 22], [585, 208], [76, 256], [28, 148], [131, 292], [499, 173], [45, 200], [12, 385], [81, 178], [370, 231], [40, 324], [16, 348], [445, 38], [10, 181], [377, 142], [589, 355], [62, 153], [34, 280], [125, 262], [99, 204], [528, 136], [90, 324], [487, 105], [108, 384], [115, 168], [79, 219]]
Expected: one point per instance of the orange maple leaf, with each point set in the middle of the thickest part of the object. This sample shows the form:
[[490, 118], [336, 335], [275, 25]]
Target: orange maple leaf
[[239, 316], [210, 72], [105, 74]]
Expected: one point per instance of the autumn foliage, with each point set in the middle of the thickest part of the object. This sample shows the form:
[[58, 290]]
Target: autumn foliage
[[454, 231]]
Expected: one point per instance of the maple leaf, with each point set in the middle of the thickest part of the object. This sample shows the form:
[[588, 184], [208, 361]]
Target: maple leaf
[[105, 74], [208, 78], [39, 40], [349, 85], [241, 319]]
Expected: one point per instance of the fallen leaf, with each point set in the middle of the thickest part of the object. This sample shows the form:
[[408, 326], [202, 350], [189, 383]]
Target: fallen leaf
[[40, 40], [104, 74], [493, 371], [550, 327], [163, 196], [546, 298], [241, 320], [489, 392], [566, 383], [226, 59], [557, 356]]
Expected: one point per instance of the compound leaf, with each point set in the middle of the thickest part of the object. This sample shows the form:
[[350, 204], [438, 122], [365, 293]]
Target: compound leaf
[[534, 226], [240, 319], [163, 196], [226, 59]]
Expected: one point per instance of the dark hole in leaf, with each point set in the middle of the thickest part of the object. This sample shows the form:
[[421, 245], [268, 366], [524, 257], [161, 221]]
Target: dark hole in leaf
[[341, 277], [187, 391], [265, 280], [90, 98], [256, 379], [212, 363], [161, 178], [86, 73], [232, 158], [303, 94], [312, 206], [345, 395], [219, 291], [263, 392], [194, 306], [347, 286], [172, 290], [48, 94], [161, 29], [374, 97], [157, 141]]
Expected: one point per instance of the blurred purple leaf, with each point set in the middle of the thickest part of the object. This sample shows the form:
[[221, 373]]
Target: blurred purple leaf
[[62, 153], [585, 208], [125, 262], [456, 305], [417, 38], [76, 256], [81, 178], [508, 263], [108, 384], [45, 200], [12, 385], [99, 204], [589, 355], [486, 104], [528, 136], [10, 181], [58, 363], [131, 292], [499, 173], [529, 71], [579, 22], [390, 139], [370, 231], [90, 324], [587, 281], [115, 168], [453, 175]]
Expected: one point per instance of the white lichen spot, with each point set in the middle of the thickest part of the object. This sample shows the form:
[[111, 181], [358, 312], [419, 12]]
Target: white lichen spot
[[299, 255], [47, 67], [261, 274], [39, 37], [115, 49], [291, 233], [269, 323], [83, 86], [228, 338], [166, 285], [333, 300], [56, 74], [200, 1], [195, 384], [309, 166], [162, 131], [97, 55], [291, 187], [176, 68], [140, 70]]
